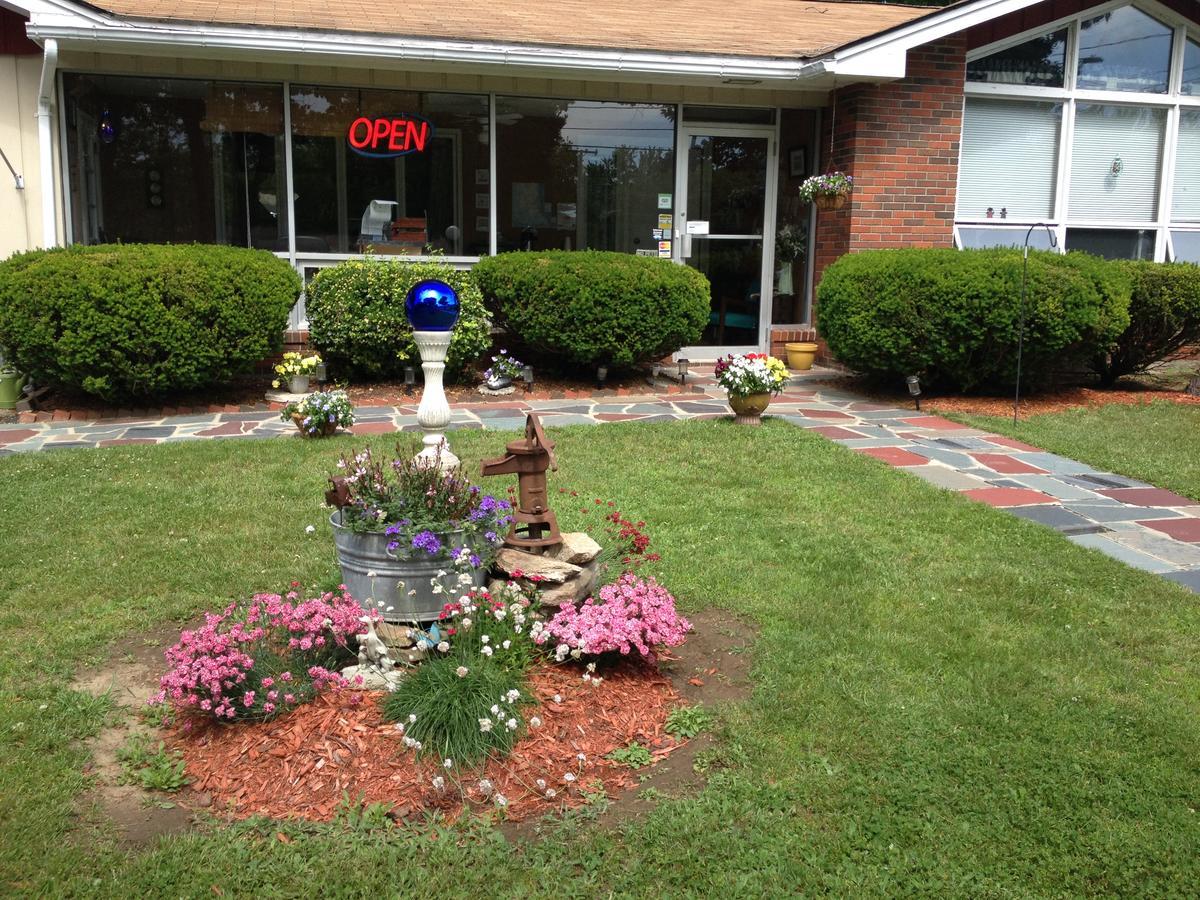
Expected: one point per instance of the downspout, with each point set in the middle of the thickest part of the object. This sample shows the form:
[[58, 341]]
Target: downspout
[[45, 148]]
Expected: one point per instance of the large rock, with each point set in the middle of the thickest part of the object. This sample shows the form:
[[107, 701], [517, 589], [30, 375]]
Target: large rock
[[546, 568], [574, 591], [576, 548]]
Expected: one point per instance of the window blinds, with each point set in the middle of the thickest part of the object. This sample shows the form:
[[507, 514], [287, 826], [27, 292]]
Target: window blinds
[[1186, 205], [1115, 163], [1009, 153]]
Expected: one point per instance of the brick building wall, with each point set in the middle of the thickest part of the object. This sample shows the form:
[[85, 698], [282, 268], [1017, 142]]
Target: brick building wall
[[900, 141]]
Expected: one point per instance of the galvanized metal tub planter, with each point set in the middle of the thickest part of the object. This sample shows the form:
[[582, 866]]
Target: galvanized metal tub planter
[[382, 581]]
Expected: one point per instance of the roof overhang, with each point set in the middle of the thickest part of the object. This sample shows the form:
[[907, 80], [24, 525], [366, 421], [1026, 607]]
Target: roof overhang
[[880, 57]]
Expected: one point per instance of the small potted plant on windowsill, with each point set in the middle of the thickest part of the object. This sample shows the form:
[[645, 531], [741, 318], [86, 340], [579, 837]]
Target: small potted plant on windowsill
[[828, 191], [295, 370]]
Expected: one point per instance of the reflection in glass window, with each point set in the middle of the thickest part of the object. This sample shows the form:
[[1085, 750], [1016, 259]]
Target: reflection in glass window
[[1191, 68], [1187, 246], [1124, 50], [1112, 243], [796, 161], [982, 237], [1186, 204], [158, 160], [583, 174], [1009, 159], [393, 172], [1040, 61], [1115, 166]]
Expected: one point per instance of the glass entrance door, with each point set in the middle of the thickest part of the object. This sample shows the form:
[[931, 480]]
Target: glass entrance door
[[726, 210]]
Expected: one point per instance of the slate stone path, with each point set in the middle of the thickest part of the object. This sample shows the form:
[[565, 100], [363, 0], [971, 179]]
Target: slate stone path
[[1136, 523]]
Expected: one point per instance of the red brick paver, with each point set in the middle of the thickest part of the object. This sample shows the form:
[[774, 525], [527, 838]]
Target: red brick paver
[[1002, 496], [1148, 497], [1180, 529], [1006, 465], [373, 428], [835, 432], [895, 456]]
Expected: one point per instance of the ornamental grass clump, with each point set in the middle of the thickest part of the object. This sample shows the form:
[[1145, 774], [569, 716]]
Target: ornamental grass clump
[[632, 614], [458, 706], [259, 658], [750, 373], [421, 508]]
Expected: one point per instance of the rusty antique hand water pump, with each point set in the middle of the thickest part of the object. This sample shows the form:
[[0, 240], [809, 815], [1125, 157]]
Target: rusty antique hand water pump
[[534, 524]]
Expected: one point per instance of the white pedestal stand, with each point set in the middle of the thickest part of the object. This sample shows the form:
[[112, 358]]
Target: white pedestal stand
[[433, 415]]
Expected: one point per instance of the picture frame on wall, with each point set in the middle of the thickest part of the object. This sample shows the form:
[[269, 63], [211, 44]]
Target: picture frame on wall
[[797, 163]]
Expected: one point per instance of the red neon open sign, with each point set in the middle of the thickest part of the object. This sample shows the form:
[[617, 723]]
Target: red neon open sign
[[385, 138]]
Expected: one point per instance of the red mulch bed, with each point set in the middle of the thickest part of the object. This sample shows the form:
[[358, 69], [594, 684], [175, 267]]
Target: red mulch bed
[[301, 765], [1057, 401]]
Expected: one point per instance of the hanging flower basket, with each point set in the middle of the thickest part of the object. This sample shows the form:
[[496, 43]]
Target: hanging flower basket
[[830, 201], [828, 191]]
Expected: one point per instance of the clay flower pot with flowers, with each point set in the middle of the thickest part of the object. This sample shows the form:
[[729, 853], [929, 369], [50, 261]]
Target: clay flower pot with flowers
[[750, 379], [829, 191]]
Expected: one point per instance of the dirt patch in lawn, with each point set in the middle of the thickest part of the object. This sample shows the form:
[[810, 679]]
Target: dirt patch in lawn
[[130, 674]]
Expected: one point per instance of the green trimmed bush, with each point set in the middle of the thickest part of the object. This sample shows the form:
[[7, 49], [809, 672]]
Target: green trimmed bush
[[141, 321], [1164, 318], [952, 316], [356, 315], [595, 307]]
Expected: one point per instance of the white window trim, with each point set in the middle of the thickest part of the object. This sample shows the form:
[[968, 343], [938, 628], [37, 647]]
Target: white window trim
[[1069, 95]]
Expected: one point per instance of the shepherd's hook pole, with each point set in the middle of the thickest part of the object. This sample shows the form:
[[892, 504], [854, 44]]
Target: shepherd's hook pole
[[1021, 326]]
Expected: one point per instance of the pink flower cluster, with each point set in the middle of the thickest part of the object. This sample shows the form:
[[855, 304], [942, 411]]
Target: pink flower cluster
[[631, 613], [256, 659]]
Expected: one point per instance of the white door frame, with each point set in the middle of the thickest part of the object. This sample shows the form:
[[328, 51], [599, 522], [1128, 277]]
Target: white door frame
[[681, 240]]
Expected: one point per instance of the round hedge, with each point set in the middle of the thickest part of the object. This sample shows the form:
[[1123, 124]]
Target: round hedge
[[596, 307], [356, 315], [951, 316], [1164, 318], [141, 321]]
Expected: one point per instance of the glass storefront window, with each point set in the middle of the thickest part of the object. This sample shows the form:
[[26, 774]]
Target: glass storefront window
[[390, 172], [1112, 243], [1040, 61], [1116, 163], [1009, 159], [985, 236], [583, 174], [1185, 207], [797, 158], [1124, 50], [156, 160], [1187, 246], [1191, 68]]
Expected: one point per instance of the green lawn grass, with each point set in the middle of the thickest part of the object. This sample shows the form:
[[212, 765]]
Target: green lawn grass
[[1158, 443], [947, 700]]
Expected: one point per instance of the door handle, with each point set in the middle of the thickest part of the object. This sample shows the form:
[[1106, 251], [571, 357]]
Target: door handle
[[685, 246]]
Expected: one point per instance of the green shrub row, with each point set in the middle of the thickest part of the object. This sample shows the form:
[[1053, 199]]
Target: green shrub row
[[140, 321], [356, 316], [591, 307], [952, 316], [1164, 314]]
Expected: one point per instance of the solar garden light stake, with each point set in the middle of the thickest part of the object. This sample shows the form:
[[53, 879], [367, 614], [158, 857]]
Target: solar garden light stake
[[683, 369], [432, 308], [527, 377], [410, 380], [914, 389], [1021, 325]]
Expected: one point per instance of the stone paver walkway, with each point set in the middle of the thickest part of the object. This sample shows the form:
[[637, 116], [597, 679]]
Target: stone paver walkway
[[1134, 522]]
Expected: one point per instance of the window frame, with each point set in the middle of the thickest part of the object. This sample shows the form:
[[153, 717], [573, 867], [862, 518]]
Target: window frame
[[1070, 95]]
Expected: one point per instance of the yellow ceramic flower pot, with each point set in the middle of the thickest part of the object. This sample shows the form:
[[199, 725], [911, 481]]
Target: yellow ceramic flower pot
[[800, 355]]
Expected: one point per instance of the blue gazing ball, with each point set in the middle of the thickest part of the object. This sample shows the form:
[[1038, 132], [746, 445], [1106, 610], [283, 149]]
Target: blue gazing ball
[[431, 306]]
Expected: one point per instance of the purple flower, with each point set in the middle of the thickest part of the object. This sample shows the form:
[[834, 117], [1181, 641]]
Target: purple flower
[[427, 541]]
